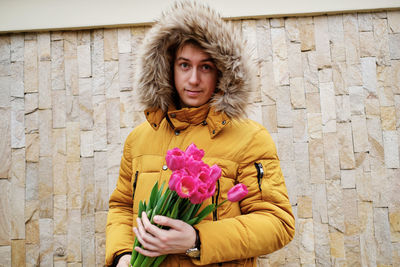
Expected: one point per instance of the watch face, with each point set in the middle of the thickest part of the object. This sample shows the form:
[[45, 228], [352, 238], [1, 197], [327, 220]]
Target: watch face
[[193, 252]]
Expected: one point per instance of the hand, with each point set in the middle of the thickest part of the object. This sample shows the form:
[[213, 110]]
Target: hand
[[124, 261], [155, 241]]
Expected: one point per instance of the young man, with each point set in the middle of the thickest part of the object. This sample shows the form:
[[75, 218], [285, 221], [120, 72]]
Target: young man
[[194, 78]]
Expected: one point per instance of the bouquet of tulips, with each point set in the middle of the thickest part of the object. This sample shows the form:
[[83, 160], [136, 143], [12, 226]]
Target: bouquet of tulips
[[192, 181]]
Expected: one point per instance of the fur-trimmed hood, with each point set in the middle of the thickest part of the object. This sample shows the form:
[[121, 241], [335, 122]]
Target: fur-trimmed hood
[[191, 20]]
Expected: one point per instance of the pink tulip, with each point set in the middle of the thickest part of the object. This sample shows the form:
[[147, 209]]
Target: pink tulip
[[199, 195], [176, 176], [237, 193], [175, 159], [215, 172], [193, 166], [194, 152], [186, 186]]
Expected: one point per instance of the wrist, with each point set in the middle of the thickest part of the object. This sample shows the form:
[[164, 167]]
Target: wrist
[[194, 252]]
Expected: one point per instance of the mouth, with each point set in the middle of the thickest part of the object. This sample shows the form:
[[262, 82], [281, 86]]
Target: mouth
[[192, 92]]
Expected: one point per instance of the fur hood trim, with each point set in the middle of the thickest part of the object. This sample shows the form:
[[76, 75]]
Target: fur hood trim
[[191, 20]]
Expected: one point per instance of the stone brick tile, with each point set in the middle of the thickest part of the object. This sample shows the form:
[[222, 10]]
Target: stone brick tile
[[84, 58], [59, 72], [322, 47], [46, 242], [17, 192], [17, 253], [284, 107], [364, 22], [124, 40], [382, 234], [381, 40], [307, 33], [31, 66], [17, 47], [110, 44], [351, 39], [328, 107], [280, 62], [74, 236], [346, 152], [85, 104], [71, 63], [307, 250], [316, 158], [336, 38], [98, 62], [5, 255]]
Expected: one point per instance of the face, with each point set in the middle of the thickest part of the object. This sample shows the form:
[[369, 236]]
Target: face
[[195, 76]]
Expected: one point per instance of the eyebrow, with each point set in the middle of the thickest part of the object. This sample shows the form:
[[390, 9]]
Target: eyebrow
[[204, 60]]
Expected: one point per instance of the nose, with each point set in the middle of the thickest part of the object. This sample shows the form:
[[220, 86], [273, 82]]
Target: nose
[[194, 77]]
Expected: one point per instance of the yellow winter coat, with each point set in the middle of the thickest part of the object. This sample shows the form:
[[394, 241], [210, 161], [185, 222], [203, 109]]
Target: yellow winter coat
[[237, 232]]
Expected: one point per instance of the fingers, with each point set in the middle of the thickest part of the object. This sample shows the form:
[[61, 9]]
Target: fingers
[[147, 240], [124, 261], [165, 221]]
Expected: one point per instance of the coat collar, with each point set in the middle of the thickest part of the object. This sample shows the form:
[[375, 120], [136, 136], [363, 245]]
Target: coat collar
[[181, 119]]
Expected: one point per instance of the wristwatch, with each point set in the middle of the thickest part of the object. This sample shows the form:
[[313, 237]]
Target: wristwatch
[[194, 252]]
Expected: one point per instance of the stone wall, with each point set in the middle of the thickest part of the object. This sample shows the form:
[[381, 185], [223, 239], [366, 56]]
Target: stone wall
[[328, 91]]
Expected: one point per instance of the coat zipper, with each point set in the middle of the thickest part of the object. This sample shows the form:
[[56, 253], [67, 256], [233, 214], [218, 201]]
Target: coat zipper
[[215, 217], [134, 185]]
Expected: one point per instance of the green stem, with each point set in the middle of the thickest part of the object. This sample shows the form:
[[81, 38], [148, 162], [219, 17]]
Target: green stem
[[159, 260]]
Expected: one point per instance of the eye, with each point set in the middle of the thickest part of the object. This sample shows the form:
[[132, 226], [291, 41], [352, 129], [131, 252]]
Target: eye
[[184, 65], [206, 67]]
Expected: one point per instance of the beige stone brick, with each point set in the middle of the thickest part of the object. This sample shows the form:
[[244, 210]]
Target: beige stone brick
[[60, 250], [17, 123], [305, 207], [348, 179], [87, 186], [283, 107], [364, 22], [372, 107], [110, 44], [113, 121], [314, 125], [45, 188], [297, 94], [376, 141], [351, 39], [124, 40], [328, 107], [17, 253], [394, 220], [32, 222], [300, 126], [362, 161], [43, 41], [74, 252], [73, 142], [322, 244], [125, 72], [88, 240], [127, 109], [100, 243], [391, 149], [100, 221], [394, 45], [285, 144], [17, 79], [46, 242], [269, 89], [72, 107], [5, 255], [60, 73], [346, 153], [111, 79], [45, 131], [294, 60], [319, 205], [331, 155], [292, 29], [351, 221], [85, 104], [98, 62], [367, 248], [101, 181], [360, 133], [56, 35], [382, 234], [280, 61], [336, 38], [269, 118], [302, 168], [337, 246], [74, 198], [32, 147], [322, 47], [307, 251], [84, 60], [71, 63], [59, 161], [31, 103], [59, 108], [338, 77], [353, 75], [277, 22], [254, 113], [393, 21], [368, 69], [352, 246], [5, 213], [307, 35], [5, 92], [325, 75], [384, 87], [17, 192], [32, 181], [310, 72], [313, 103], [32, 255], [316, 158], [388, 117], [114, 153], [17, 47], [367, 44], [31, 66], [343, 113], [364, 185], [335, 204], [381, 41], [60, 215], [100, 123]]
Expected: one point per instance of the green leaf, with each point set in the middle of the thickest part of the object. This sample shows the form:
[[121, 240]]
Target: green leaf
[[192, 221], [159, 260], [207, 210], [187, 215], [153, 196]]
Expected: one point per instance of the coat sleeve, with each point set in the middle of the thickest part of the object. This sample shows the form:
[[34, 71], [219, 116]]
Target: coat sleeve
[[119, 234], [267, 222]]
